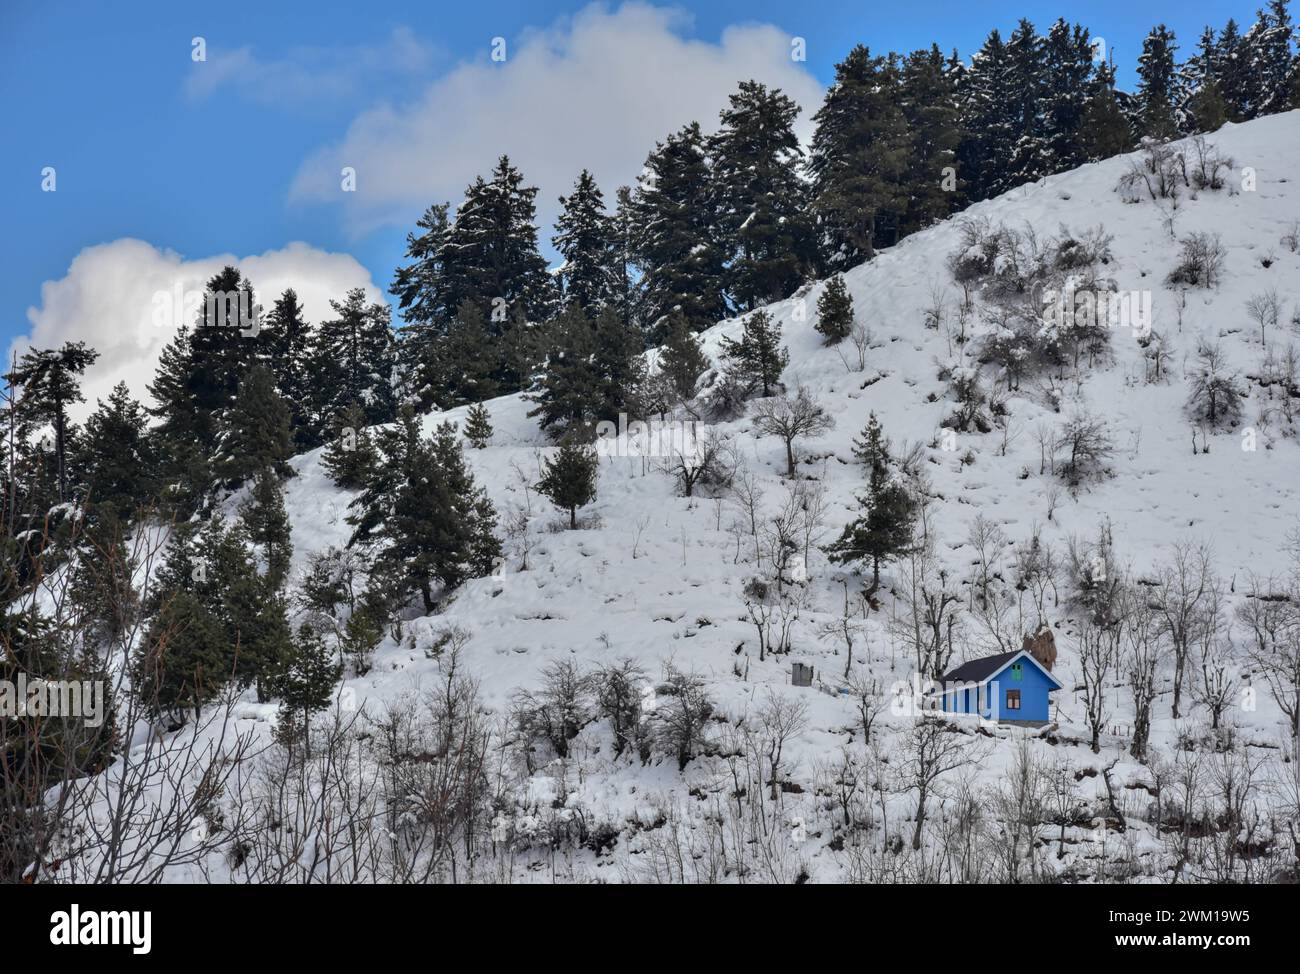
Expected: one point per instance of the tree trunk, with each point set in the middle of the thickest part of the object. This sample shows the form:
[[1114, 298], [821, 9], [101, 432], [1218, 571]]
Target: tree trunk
[[573, 519], [920, 820], [789, 458]]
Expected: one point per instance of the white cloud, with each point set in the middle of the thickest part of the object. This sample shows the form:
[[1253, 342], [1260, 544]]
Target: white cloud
[[106, 299], [596, 91], [308, 73]]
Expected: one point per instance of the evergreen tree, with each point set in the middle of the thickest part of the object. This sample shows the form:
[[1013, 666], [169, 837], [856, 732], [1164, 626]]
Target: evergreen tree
[[255, 430], [350, 456], [490, 255], [1270, 60], [928, 96], [478, 426], [835, 311], [859, 156], [49, 380], [1106, 131], [225, 343], [267, 525], [355, 357], [566, 392], [883, 529], [1067, 84], [569, 478], [1027, 76], [116, 456], [871, 448], [627, 286], [1233, 69], [182, 662], [674, 235], [422, 299], [585, 237], [987, 100], [184, 468], [758, 358], [290, 361], [423, 513], [762, 223], [1158, 91], [680, 357], [306, 684], [619, 364], [1206, 109]]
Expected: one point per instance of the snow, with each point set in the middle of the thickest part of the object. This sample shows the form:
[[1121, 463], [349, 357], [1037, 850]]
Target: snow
[[654, 577]]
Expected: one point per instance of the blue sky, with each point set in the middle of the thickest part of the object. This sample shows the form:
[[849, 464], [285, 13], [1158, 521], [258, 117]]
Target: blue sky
[[240, 154]]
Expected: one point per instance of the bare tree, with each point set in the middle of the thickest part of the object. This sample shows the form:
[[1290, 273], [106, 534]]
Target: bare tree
[[1097, 647], [790, 418], [1083, 445], [1264, 310], [708, 460], [931, 750], [780, 719], [1187, 600], [1215, 396]]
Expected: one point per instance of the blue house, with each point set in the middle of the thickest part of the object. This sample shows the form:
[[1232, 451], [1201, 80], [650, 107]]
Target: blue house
[[1010, 688]]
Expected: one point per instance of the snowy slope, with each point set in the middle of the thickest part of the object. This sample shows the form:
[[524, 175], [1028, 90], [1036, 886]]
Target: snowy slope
[[655, 576]]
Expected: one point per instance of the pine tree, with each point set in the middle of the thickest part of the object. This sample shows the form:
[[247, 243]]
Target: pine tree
[[1270, 60], [267, 524], [1027, 77], [567, 391], [184, 467], [422, 511], [619, 364], [762, 223], [569, 479], [1106, 130], [255, 431], [182, 663], [627, 285], [1233, 69], [49, 381], [585, 237], [290, 361], [835, 311], [680, 357], [859, 157], [354, 358], [418, 285], [478, 426], [116, 456], [884, 528], [928, 95], [465, 365], [1158, 91], [490, 254], [226, 342], [674, 236], [988, 123], [1067, 84], [350, 456], [1206, 109], [758, 358], [871, 448], [306, 684]]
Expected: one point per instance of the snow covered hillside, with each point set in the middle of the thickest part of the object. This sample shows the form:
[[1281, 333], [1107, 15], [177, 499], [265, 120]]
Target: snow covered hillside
[[781, 772]]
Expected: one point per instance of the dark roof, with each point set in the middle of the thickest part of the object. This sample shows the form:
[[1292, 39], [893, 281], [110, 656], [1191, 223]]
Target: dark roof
[[979, 670]]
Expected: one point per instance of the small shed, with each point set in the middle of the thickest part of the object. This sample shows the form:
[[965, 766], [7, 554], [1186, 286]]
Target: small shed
[[1010, 688]]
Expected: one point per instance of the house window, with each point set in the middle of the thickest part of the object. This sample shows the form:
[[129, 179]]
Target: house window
[[1016, 672], [1013, 699]]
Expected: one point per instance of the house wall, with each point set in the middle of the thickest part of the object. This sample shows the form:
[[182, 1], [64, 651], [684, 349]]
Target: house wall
[[1034, 687]]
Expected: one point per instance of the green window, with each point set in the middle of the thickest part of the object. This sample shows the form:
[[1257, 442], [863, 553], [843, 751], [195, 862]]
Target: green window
[[1016, 672]]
